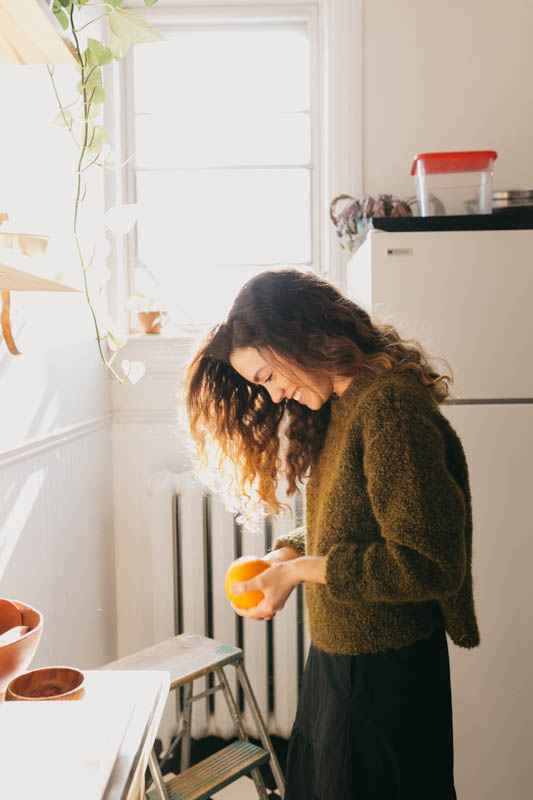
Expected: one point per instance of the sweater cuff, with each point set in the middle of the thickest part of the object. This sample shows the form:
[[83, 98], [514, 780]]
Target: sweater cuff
[[294, 539], [343, 570]]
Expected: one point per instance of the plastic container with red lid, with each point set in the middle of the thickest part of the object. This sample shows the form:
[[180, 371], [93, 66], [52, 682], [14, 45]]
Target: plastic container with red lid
[[454, 183]]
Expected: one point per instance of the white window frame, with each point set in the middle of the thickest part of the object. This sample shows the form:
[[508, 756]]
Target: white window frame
[[335, 29]]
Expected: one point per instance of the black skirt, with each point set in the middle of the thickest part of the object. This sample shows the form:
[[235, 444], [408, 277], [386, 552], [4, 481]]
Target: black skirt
[[374, 726]]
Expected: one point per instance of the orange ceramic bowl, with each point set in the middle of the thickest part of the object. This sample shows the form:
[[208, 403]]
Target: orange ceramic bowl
[[16, 656], [48, 683]]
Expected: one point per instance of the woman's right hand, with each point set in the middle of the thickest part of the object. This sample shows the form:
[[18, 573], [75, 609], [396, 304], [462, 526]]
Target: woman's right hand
[[281, 554]]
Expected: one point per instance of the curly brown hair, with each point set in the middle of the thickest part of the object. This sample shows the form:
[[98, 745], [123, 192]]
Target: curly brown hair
[[304, 320]]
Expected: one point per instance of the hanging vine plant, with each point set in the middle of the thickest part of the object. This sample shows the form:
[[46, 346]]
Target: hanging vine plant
[[123, 28]]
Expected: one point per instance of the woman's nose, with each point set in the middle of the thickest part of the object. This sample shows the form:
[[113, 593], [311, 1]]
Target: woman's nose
[[276, 393]]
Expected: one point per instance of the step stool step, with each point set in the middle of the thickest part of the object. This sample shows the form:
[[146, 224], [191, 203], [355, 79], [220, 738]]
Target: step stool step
[[187, 657], [213, 773]]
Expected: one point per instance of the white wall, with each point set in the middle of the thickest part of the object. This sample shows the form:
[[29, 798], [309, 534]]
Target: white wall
[[441, 76], [56, 534]]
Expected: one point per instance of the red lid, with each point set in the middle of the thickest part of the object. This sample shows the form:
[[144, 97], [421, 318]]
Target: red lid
[[467, 161]]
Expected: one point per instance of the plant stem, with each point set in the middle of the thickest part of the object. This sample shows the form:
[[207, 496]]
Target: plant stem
[[77, 30], [86, 110], [61, 107]]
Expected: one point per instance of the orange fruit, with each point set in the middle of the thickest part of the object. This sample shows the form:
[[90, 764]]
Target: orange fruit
[[243, 569]]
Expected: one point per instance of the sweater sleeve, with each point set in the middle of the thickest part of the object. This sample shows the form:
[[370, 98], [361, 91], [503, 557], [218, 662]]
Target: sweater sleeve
[[419, 507], [294, 539]]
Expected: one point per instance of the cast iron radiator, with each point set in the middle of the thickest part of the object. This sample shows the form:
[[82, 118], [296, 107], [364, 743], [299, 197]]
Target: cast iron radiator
[[193, 540]]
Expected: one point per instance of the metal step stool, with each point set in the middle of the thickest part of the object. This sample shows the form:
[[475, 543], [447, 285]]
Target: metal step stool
[[188, 657]]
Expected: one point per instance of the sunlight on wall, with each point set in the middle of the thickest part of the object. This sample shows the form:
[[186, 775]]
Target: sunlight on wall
[[35, 154], [13, 525]]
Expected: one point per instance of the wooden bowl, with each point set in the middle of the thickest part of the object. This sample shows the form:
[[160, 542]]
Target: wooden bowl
[[16, 656], [48, 683]]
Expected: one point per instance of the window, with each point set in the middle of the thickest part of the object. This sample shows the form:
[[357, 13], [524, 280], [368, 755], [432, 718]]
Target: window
[[221, 122]]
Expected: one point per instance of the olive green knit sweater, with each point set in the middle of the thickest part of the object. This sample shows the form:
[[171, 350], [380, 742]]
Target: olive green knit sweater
[[388, 504]]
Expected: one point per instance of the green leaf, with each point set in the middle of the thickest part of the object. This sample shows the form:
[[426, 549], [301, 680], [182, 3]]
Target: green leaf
[[56, 6], [99, 95], [64, 119], [101, 53], [133, 370], [62, 18], [115, 3], [66, 4], [150, 2], [96, 141], [89, 59], [127, 29], [115, 341], [94, 110]]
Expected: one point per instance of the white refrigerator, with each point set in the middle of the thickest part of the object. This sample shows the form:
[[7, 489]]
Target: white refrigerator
[[468, 296]]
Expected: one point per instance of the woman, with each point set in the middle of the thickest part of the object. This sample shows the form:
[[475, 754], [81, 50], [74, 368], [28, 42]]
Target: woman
[[300, 382]]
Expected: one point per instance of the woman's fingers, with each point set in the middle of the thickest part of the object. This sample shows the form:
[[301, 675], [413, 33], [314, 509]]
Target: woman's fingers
[[246, 586], [281, 554], [275, 583], [258, 612]]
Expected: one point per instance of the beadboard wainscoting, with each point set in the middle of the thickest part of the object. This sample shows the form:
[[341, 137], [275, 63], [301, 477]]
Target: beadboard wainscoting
[[56, 545], [147, 438]]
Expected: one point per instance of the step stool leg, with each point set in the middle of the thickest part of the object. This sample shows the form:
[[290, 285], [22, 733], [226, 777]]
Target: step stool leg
[[157, 776], [261, 727], [186, 727], [172, 748], [234, 711]]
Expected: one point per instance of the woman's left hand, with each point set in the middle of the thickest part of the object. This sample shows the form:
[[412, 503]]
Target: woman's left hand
[[276, 583]]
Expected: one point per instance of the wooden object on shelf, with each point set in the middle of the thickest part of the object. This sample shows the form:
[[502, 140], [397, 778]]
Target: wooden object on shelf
[[16, 253], [28, 34]]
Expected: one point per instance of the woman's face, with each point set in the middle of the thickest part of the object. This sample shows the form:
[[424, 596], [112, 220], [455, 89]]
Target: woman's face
[[286, 382]]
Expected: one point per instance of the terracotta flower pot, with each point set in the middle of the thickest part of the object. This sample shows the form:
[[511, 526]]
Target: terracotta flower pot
[[152, 321]]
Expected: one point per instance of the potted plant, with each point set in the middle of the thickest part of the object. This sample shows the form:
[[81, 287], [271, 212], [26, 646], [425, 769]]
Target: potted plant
[[150, 312], [356, 214]]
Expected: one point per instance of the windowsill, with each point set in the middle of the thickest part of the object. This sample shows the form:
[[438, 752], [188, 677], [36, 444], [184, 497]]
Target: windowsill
[[160, 337], [179, 335]]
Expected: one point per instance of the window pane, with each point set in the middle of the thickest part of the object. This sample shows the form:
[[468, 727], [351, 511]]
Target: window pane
[[222, 140], [224, 69], [206, 296], [223, 217]]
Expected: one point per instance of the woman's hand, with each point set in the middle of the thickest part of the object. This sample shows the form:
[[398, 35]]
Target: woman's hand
[[276, 583], [281, 554]]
